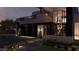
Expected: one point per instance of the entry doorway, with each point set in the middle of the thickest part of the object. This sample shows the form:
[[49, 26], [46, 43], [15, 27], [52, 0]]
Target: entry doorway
[[41, 30]]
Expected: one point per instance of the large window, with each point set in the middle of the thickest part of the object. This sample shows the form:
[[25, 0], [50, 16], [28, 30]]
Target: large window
[[76, 31], [59, 18]]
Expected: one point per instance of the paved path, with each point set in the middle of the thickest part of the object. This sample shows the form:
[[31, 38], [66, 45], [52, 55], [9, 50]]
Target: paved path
[[31, 45]]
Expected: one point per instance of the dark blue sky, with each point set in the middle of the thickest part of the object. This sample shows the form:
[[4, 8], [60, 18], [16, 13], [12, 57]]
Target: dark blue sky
[[15, 12]]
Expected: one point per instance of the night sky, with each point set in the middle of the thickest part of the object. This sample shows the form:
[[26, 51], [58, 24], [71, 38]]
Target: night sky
[[15, 12]]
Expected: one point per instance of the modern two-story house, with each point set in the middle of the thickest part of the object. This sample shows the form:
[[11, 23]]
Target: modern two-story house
[[58, 21]]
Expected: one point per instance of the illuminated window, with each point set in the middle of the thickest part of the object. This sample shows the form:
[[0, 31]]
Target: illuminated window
[[60, 16], [60, 21], [76, 31]]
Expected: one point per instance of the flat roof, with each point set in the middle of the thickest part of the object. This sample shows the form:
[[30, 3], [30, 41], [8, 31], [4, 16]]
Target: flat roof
[[40, 19]]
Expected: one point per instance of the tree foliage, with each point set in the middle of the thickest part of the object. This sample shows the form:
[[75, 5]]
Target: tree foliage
[[7, 24]]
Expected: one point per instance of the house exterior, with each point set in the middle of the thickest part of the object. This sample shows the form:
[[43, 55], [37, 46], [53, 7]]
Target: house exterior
[[58, 21], [76, 27]]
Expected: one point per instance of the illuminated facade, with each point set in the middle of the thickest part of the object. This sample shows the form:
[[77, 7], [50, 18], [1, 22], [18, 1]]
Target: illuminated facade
[[48, 21], [76, 27]]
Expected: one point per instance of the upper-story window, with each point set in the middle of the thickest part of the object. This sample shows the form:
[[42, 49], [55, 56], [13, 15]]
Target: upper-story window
[[59, 16]]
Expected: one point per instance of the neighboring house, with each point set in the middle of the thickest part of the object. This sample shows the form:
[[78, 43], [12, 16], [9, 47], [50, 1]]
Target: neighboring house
[[48, 21]]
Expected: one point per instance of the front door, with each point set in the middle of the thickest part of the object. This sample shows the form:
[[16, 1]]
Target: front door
[[40, 30]]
